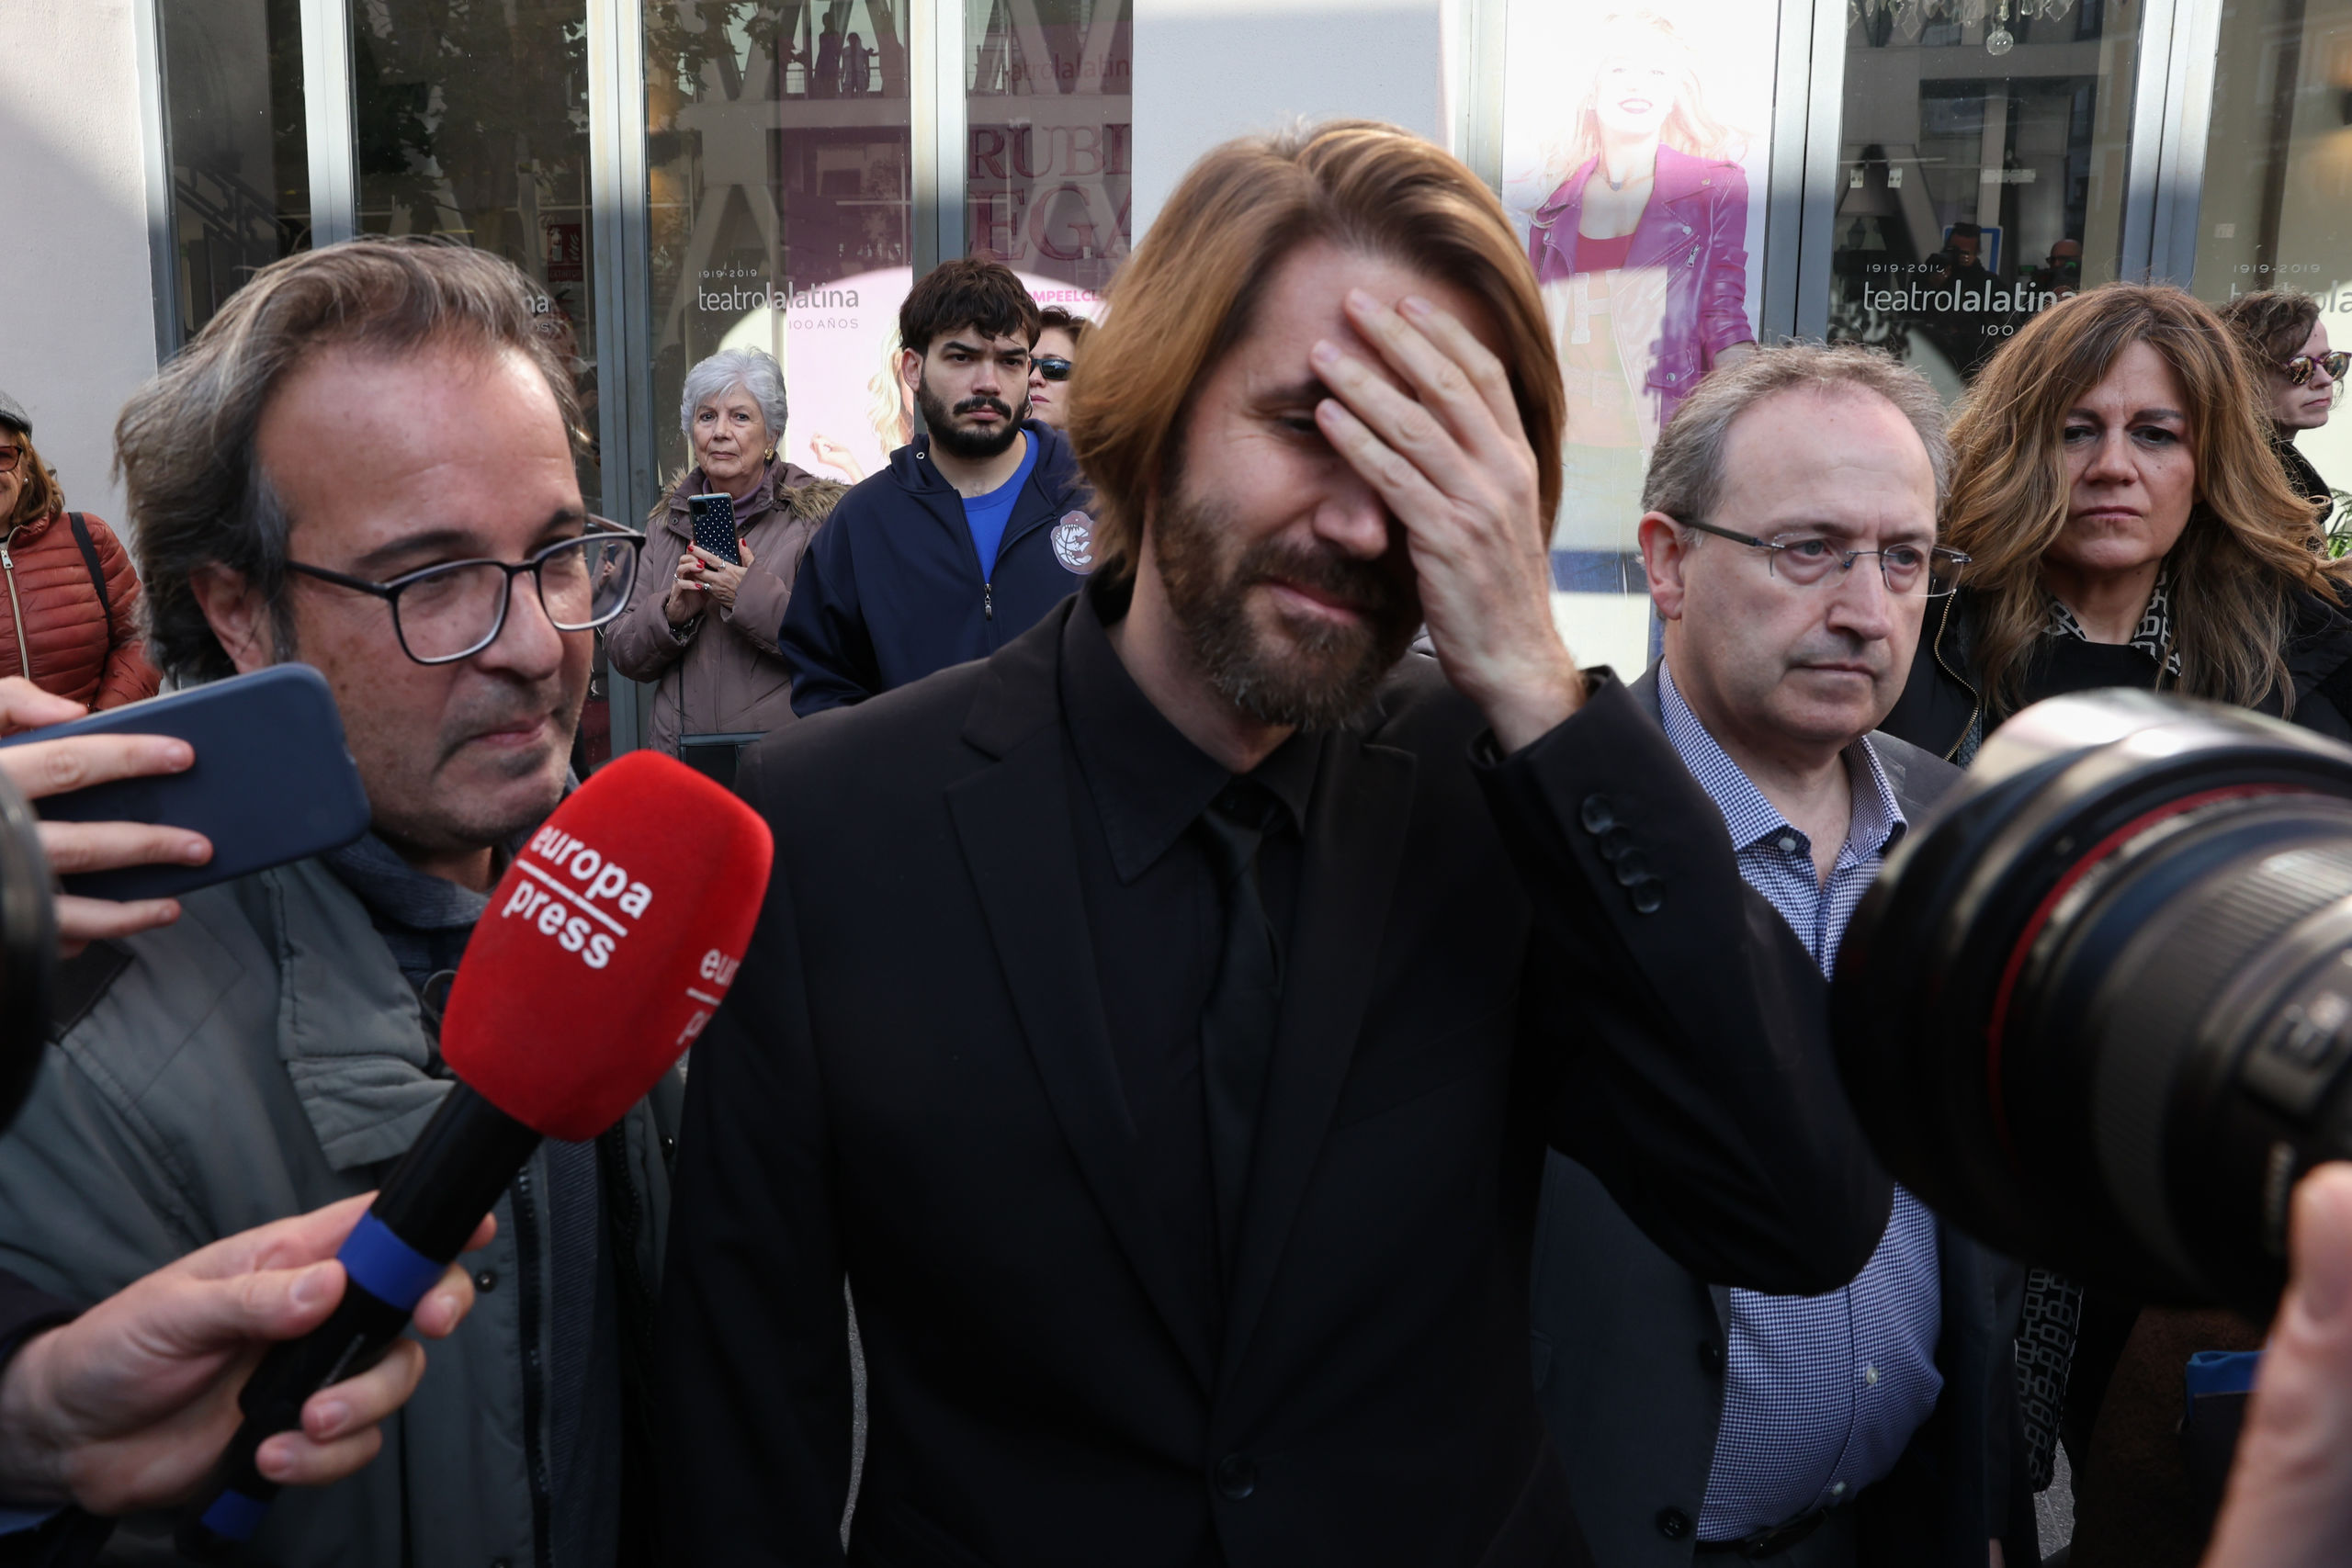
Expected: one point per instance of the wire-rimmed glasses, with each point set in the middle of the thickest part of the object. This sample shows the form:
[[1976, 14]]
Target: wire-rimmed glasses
[[1927, 571], [446, 613]]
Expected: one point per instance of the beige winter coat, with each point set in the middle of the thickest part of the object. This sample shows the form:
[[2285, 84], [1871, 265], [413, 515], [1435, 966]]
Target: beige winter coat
[[720, 673]]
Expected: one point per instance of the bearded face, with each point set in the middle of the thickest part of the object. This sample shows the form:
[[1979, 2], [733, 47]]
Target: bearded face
[[1276, 665], [953, 430]]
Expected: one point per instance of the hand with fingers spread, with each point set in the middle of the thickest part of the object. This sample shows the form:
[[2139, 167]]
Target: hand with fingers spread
[[40, 769], [128, 1406], [1439, 439]]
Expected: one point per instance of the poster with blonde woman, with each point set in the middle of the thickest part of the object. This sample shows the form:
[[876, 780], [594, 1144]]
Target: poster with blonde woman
[[1630, 134]]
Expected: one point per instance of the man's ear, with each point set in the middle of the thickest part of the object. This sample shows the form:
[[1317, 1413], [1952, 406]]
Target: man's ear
[[910, 369], [1666, 554], [238, 616]]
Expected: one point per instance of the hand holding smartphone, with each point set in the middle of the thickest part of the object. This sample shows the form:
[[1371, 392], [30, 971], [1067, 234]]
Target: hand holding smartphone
[[44, 769], [713, 517], [145, 802]]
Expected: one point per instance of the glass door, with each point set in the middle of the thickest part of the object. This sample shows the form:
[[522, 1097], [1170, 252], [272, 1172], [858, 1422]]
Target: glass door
[[2276, 206], [1051, 139], [240, 154], [1984, 153], [777, 151]]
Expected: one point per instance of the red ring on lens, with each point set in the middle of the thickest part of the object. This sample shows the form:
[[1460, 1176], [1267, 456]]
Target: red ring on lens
[[1998, 1021]]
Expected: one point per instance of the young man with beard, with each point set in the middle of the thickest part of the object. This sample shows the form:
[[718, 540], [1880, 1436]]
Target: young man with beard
[[1160, 1025], [973, 531]]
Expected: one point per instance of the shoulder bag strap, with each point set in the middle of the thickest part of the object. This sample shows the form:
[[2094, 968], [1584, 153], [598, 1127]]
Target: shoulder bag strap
[[90, 558]]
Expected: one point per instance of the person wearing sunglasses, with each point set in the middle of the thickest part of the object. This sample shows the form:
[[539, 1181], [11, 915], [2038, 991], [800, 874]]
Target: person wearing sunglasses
[[2128, 526], [2280, 329], [365, 462], [1050, 364], [69, 599]]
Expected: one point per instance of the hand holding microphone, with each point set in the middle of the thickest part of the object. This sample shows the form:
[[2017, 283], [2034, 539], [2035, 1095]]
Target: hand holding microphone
[[127, 1407], [604, 953]]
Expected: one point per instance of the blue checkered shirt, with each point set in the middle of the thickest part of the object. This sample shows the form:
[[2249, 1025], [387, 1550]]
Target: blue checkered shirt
[[1821, 1393]]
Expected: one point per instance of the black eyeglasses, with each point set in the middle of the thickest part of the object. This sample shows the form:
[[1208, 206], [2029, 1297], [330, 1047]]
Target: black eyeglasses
[[2298, 369], [1052, 366], [453, 611], [8, 455], [1909, 570]]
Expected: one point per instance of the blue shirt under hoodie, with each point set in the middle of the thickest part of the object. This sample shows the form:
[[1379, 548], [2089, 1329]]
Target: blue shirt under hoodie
[[986, 516], [896, 585]]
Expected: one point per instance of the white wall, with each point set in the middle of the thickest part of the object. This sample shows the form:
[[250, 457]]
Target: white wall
[[1210, 70], [77, 320]]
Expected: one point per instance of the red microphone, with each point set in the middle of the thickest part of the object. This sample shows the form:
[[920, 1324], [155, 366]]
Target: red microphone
[[603, 952]]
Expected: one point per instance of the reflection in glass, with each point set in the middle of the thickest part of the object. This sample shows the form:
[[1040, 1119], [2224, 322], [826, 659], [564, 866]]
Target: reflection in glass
[[1984, 153], [1635, 145], [1051, 141], [241, 176], [2276, 211], [472, 124], [778, 147]]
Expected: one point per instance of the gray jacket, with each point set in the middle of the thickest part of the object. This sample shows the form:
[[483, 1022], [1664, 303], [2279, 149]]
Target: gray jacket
[[259, 1058], [1629, 1349]]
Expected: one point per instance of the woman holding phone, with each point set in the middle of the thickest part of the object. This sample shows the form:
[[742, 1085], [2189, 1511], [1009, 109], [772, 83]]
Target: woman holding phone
[[705, 627]]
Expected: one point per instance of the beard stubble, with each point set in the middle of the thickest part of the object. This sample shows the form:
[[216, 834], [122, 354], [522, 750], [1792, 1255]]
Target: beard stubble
[[1311, 674]]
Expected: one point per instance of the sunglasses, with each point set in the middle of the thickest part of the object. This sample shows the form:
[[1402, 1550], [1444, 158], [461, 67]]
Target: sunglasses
[[1052, 366], [2298, 369], [8, 455]]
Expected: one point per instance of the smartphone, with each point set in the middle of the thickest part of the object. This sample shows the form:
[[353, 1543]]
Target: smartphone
[[714, 519], [271, 783]]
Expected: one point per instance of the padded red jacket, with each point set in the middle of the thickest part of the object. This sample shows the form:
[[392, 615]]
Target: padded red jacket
[[52, 624]]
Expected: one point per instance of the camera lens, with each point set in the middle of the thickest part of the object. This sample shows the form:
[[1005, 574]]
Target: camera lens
[[2097, 1008]]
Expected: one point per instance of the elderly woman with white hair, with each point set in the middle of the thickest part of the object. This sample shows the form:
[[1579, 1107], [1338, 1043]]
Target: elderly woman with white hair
[[704, 629]]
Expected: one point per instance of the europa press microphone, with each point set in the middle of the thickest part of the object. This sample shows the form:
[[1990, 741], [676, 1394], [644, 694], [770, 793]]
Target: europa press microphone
[[601, 954]]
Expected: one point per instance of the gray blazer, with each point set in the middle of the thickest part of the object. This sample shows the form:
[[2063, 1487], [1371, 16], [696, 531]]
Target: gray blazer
[[1629, 1349]]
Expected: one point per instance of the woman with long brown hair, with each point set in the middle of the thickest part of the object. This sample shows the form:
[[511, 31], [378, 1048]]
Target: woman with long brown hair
[[2128, 526]]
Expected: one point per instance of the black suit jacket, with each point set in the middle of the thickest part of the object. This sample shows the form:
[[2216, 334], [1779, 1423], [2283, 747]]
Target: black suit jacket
[[1630, 1349], [912, 1085]]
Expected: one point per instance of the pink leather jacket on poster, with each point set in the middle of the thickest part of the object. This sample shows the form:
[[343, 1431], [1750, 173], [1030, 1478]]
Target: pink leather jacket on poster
[[1696, 228]]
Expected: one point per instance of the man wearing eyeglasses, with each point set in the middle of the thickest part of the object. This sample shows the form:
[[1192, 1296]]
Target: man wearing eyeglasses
[[1790, 537], [362, 463]]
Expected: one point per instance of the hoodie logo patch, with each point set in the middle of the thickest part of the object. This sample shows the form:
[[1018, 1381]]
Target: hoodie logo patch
[[1074, 542]]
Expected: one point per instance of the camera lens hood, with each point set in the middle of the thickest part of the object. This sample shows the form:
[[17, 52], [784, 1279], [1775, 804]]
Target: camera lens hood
[[2048, 1006]]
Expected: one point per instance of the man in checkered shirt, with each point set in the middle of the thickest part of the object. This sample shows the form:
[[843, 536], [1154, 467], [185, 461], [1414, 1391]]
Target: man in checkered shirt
[[1789, 535]]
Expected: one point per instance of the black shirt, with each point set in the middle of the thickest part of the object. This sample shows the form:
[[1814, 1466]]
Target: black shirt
[[1151, 897]]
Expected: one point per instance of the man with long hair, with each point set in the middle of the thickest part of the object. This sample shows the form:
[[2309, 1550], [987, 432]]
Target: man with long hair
[[1159, 1025]]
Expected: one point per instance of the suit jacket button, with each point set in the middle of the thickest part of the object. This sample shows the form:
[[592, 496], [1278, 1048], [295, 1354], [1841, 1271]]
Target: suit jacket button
[[1614, 844], [1673, 1524], [1633, 868], [1597, 814], [1235, 1476], [1710, 1358], [1648, 895]]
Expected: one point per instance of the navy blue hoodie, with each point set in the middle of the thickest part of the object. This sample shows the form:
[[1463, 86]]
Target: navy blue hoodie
[[890, 589]]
